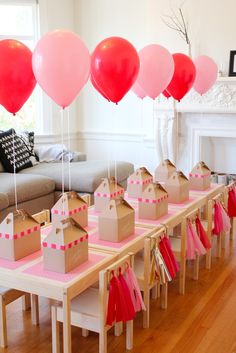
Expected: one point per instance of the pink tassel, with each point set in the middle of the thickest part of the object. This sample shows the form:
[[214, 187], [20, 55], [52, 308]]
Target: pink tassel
[[225, 218], [191, 255], [133, 286], [199, 248]]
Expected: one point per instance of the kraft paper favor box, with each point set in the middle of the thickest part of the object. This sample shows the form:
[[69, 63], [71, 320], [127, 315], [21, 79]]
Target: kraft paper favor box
[[19, 236], [116, 222], [164, 171], [177, 187], [200, 177], [71, 205], [108, 189], [154, 202], [138, 181], [65, 247]]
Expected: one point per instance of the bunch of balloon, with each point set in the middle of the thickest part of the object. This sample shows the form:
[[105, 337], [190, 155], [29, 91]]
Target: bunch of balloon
[[61, 64]]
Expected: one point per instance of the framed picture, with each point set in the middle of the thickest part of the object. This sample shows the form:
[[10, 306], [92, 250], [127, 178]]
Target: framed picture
[[232, 63]]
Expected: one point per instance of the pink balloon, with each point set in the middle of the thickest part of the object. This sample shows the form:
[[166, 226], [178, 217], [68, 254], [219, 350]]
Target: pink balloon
[[156, 69], [61, 65], [137, 89], [206, 73]]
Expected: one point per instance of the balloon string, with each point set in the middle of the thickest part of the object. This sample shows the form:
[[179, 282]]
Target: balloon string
[[142, 137], [69, 146], [62, 154], [108, 163], [176, 114], [115, 151], [14, 168]]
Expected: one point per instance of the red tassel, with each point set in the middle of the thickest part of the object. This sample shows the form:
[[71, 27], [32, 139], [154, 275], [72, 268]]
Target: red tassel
[[218, 220], [232, 203], [168, 256], [128, 308], [111, 308], [202, 234]]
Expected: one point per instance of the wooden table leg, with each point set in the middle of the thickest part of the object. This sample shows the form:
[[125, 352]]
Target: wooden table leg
[[26, 303], [66, 324], [35, 309]]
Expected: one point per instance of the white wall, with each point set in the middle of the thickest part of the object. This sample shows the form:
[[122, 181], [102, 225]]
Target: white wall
[[211, 25], [130, 123]]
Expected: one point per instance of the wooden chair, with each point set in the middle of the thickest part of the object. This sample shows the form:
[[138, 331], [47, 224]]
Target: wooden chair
[[89, 309], [179, 247], [142, 268], [7, 296]]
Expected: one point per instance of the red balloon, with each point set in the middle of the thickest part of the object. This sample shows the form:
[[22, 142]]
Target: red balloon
[[183, 78], [166, 94], [97, 87], [114, 67], [17, 80]]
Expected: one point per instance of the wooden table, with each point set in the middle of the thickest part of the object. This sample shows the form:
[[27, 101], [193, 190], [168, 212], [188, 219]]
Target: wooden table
[[29, 276]]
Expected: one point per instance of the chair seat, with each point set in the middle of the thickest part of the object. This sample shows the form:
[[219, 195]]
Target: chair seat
[[139, 267], [205, 224], [84, 310], [175, 244]]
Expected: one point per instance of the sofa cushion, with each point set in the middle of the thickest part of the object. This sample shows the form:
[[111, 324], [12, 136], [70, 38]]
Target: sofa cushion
[[12, 146], [85, 176], [29, 187], [4, 201]]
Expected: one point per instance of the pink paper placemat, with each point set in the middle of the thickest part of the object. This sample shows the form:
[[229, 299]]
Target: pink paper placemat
[[38, 270], [94, 239], [12, 265], [158, 221]]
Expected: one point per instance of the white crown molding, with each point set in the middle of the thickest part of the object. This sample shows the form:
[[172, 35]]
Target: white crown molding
[[111, 136], [54, 138]]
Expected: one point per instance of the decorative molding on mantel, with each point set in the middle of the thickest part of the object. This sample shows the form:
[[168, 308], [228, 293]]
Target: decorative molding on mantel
[[221, 98]]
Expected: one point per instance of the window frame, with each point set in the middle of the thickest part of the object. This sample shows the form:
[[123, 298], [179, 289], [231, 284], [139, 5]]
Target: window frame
[[39, 124]]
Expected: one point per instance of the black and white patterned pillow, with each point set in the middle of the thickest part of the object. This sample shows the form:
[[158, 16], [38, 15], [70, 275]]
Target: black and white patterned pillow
[[27, 138], [22, 154]]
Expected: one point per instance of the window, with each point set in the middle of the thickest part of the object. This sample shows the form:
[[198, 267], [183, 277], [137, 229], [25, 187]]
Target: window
[[19, 20]]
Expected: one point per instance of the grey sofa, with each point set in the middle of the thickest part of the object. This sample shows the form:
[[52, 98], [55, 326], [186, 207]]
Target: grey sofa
[[38, 186]]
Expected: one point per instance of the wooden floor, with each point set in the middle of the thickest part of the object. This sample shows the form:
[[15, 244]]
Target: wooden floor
[[201, 321]]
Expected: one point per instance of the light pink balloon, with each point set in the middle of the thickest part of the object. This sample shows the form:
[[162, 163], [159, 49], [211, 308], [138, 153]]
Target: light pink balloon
[[156, 69], [61, 65], [137, 89], [206, 73]]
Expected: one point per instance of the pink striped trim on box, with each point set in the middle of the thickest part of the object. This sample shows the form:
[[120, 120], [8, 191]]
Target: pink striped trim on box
[[65, 247], [109, 196], [21, 234], [201, 176], [140, 199], [71, 212], [141, 182]]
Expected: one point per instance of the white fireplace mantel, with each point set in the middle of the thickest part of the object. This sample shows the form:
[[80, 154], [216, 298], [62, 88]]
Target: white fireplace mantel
[[221, 98], [182, 127]]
